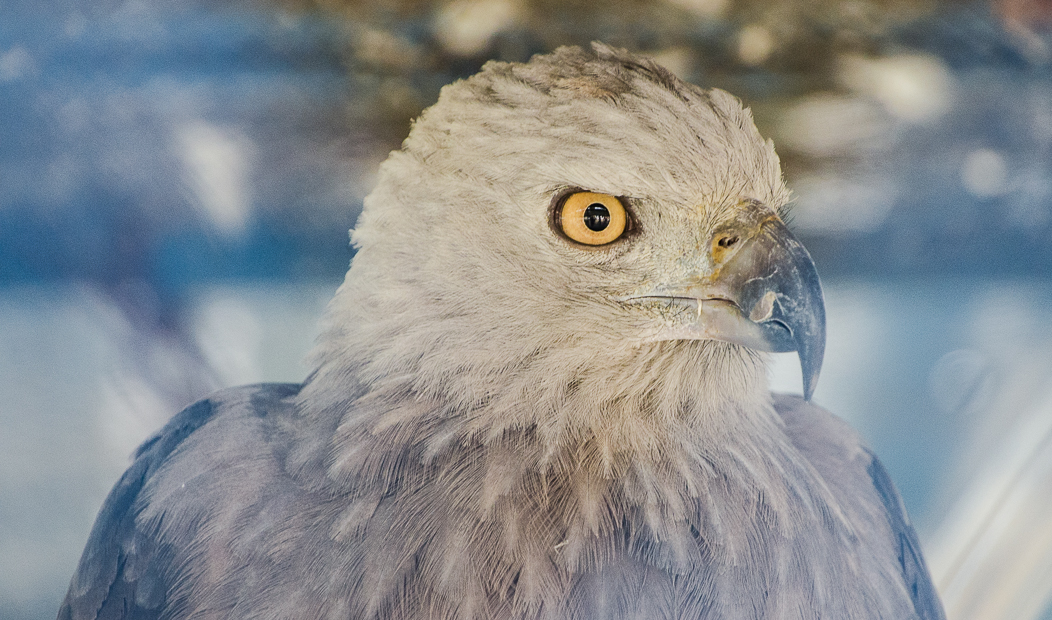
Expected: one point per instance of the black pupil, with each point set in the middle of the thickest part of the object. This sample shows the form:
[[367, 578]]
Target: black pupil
[[596, 217]]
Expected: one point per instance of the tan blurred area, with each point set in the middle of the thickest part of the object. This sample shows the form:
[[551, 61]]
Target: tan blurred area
[[1035, 14]]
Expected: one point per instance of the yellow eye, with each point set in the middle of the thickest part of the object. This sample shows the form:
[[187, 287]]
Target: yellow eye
[[591, 218]]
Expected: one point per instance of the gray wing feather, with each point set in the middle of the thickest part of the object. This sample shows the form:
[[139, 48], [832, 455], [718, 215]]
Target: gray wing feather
[[124, 572]]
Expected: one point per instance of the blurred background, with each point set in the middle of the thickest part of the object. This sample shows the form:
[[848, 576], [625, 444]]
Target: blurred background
[[177, 180]]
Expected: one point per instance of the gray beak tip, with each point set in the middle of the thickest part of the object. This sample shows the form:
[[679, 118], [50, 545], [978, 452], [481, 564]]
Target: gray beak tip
[[810, 383], [784, 295], [811, 344]]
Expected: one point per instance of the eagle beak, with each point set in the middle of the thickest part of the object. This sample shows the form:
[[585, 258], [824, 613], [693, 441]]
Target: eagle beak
[[774, 284], [763, 293]]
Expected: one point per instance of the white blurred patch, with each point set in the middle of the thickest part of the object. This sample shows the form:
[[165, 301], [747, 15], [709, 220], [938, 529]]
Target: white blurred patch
[[466, 27], [230, 336], [984, 173], [703, 8], [1006, 316], [912, 87], [15, 64], [826, 125], [856, 344], [833, 204], [137, 375], [217, 162], [961, 381], [784, 374], [755, 44], [130, 410]]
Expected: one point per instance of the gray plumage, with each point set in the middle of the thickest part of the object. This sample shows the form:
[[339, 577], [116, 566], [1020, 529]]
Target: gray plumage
[[497, 426]]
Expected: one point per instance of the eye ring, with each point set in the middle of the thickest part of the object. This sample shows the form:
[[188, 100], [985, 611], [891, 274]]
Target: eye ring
[[591, 218]]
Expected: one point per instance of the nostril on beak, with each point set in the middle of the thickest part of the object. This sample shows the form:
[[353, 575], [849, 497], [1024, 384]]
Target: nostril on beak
[[722, 246]]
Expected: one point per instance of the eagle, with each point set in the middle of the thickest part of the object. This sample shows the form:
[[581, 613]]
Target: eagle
[[540, 393]]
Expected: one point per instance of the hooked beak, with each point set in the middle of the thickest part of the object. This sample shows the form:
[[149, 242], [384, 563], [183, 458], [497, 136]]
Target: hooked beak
[[764, 294]]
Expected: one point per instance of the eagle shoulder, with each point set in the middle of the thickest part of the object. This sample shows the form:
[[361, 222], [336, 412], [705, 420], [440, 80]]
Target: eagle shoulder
[[854, 473], [126, 571]]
